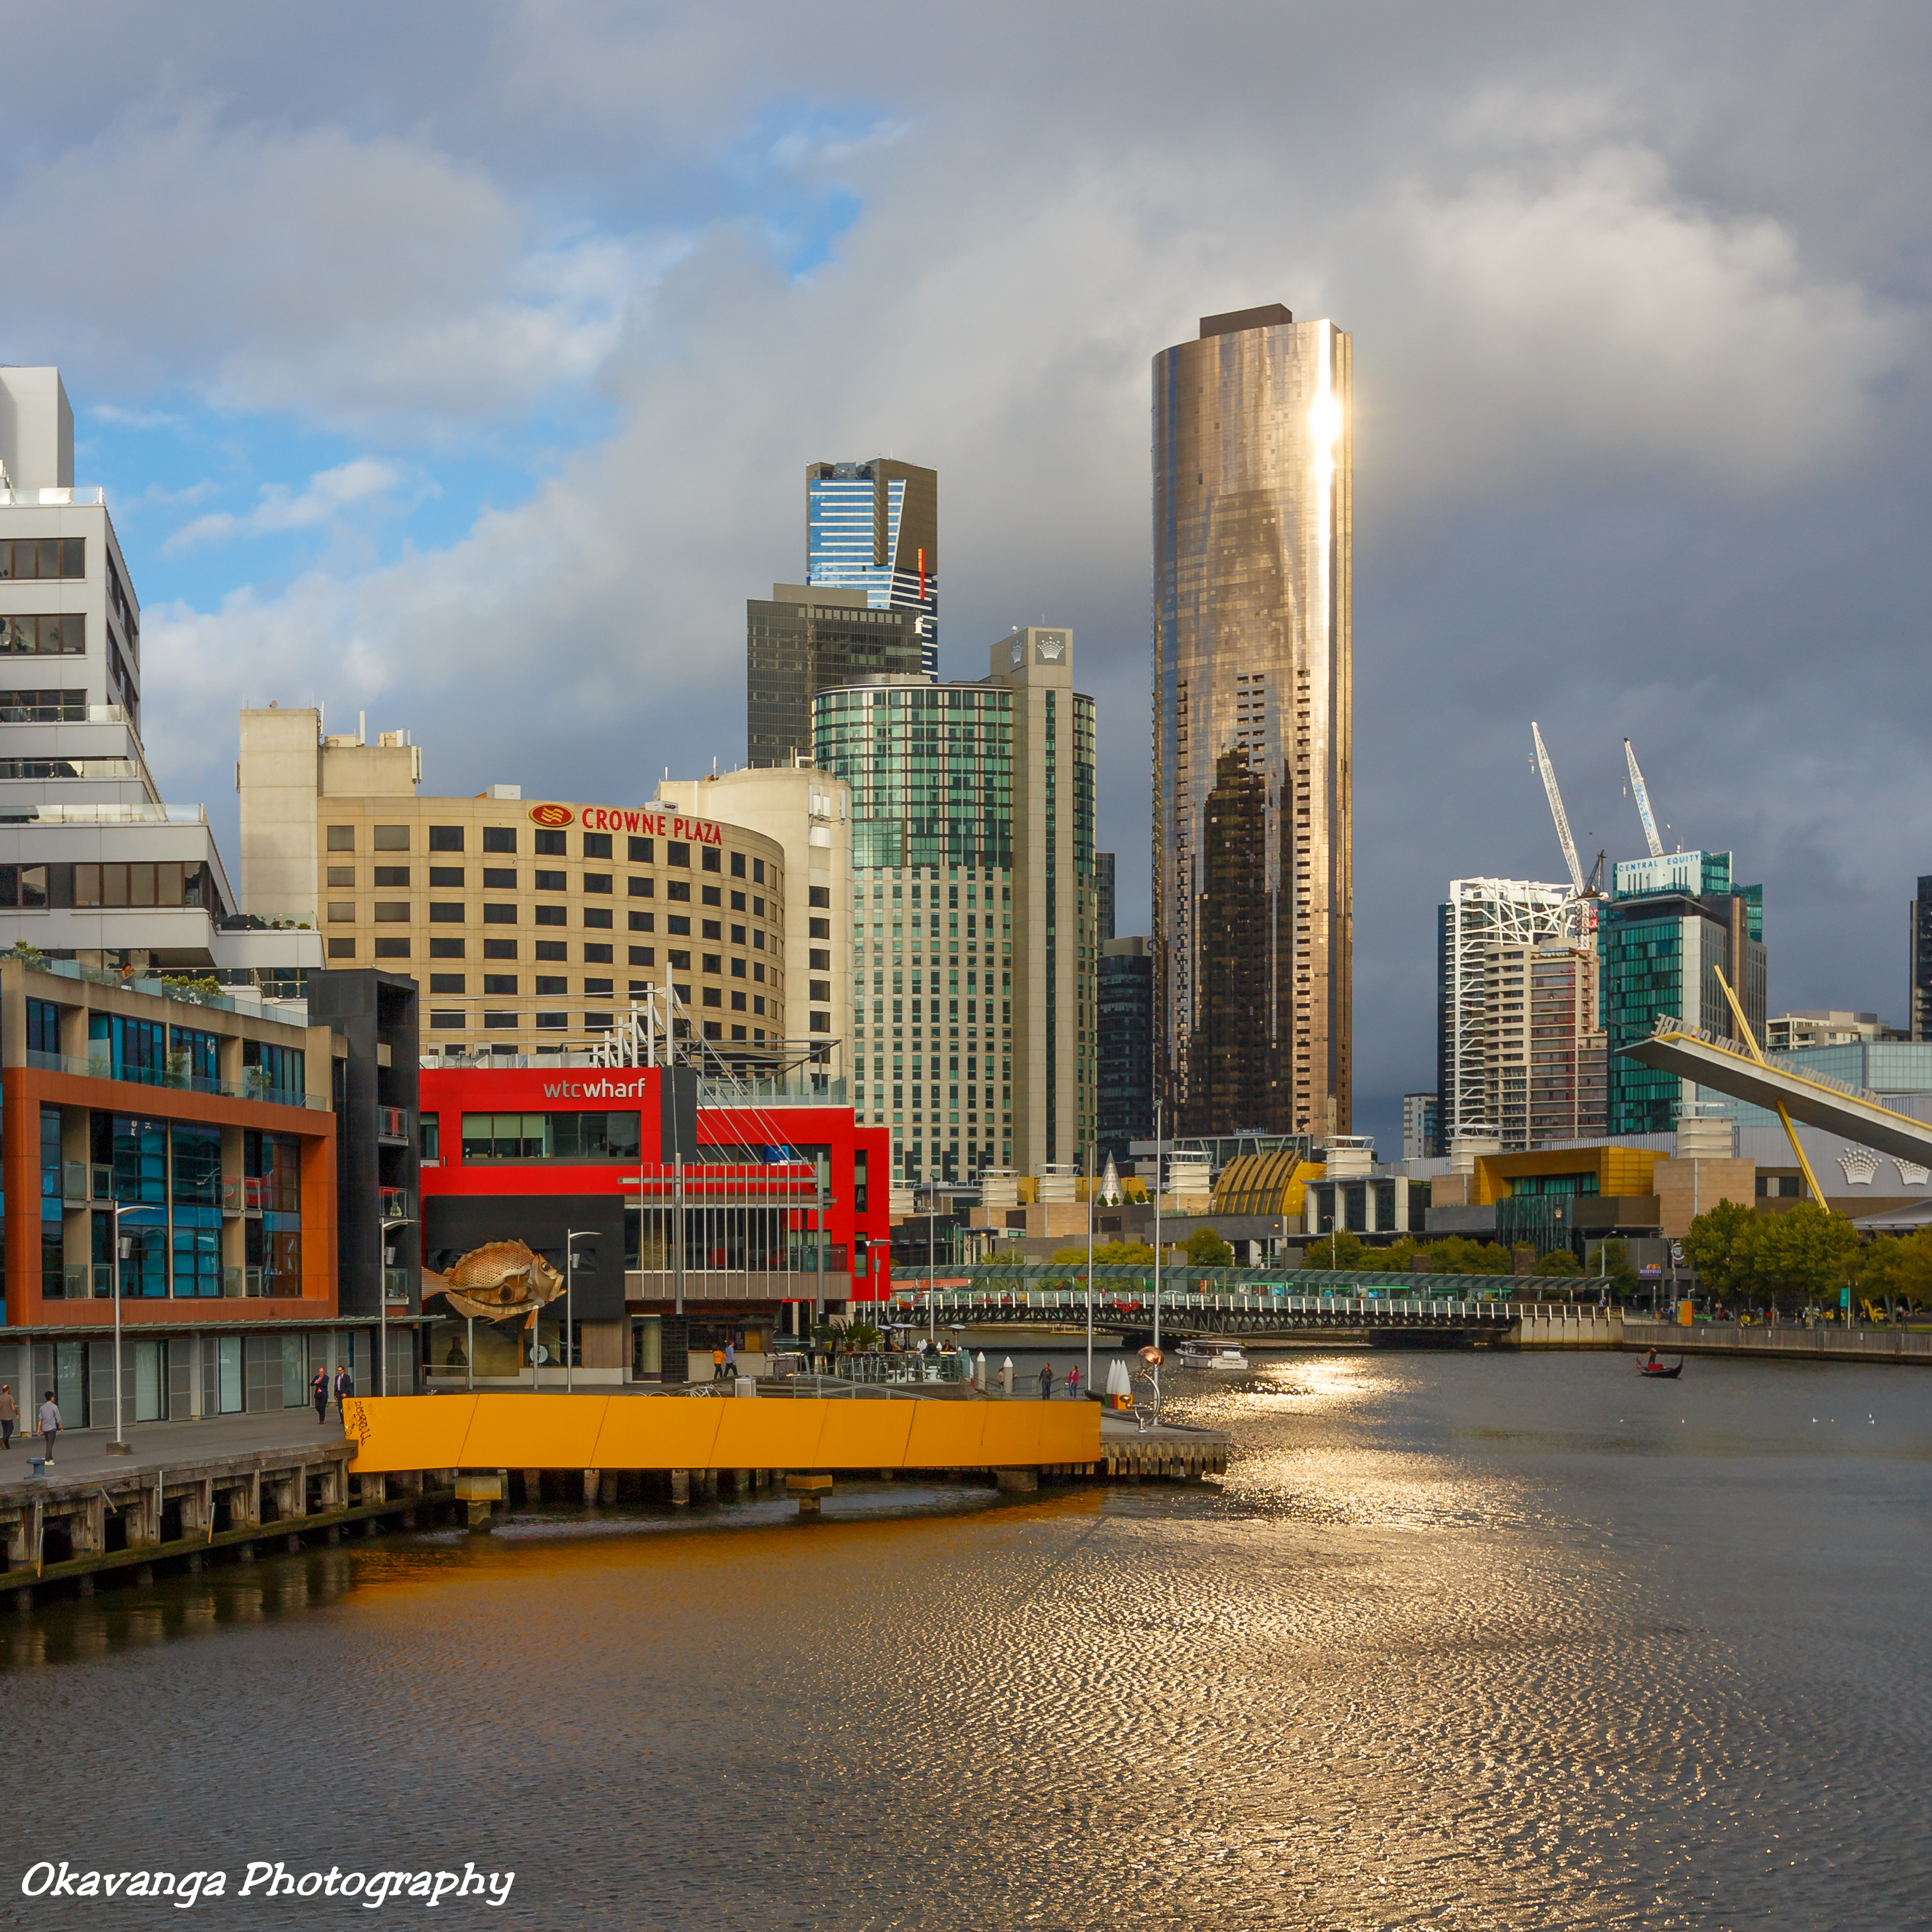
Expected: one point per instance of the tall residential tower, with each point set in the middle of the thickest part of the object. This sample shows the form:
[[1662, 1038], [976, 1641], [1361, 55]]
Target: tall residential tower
[[1253, 866]]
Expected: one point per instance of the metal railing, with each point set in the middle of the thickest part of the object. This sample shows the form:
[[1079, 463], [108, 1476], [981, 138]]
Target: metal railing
[[396, 1285], [392, 1124], [398, 1204], [880, 1366], [102, 1066]]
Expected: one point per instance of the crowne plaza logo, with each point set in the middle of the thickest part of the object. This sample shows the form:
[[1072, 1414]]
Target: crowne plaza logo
[[552, 815]]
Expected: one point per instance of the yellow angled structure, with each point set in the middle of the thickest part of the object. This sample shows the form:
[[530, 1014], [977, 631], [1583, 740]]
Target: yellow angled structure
[[623, 1432]]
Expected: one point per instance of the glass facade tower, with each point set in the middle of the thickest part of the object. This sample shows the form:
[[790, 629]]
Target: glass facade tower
[[972, 943], [1252, 851], [874, 527]]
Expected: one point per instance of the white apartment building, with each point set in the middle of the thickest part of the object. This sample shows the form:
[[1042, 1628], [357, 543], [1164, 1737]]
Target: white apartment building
[[94, 865]]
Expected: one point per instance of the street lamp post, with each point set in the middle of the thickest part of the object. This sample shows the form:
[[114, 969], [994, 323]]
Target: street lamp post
[[931, 1269], [571, 1236], [383, 1225], [120, 1446], [1090, 1270], [1158, 1178]]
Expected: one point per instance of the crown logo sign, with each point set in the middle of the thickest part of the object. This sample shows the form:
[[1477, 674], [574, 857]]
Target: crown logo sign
[[1911, 1175], [1859, 1165]]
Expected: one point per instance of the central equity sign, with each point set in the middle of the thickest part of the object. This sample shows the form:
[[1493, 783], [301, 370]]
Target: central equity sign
[[603, 818]]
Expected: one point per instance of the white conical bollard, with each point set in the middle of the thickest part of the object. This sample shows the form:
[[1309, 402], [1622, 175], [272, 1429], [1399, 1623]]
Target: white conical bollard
[[979, 1372], [1006, 1376]]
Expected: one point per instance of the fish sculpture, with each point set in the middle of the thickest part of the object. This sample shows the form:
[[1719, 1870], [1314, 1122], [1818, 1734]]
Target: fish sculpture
[[497, 1281]]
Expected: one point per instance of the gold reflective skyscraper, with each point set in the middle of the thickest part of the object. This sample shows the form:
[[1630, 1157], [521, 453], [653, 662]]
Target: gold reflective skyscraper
[[1253, 861]]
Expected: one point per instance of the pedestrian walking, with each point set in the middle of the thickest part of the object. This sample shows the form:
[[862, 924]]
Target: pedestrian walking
[[730, 1361], [10, 1414], [318, 1389], [718, 1365], [1046, 1381], [49, 1422], [1073, 1383], [345, 1386]]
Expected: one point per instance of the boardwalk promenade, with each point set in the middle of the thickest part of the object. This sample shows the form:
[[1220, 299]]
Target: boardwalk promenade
[[1788, 1341]]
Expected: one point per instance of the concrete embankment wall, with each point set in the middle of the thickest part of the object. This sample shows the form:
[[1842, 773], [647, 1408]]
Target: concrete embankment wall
[[1822, 1344], [1573, 1328]]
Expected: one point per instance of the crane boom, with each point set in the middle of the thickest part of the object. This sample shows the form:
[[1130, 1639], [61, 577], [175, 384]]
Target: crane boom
[[1642, 802], [1556, 810]]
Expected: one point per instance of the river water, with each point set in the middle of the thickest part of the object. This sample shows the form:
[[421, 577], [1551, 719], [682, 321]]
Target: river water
[[1464, 1640]]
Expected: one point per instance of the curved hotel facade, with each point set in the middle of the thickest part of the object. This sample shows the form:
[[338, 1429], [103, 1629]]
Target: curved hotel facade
[[1253, 817]]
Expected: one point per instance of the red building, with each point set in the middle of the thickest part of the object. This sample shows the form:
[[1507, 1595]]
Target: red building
[[782, 1207]]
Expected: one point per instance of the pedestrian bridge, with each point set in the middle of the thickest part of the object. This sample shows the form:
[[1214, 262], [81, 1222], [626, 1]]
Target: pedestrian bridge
[[879, 1429], [1835, 1106]]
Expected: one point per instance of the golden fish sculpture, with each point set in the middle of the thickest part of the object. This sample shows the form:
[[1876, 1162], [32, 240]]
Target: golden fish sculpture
[[497, 1281]]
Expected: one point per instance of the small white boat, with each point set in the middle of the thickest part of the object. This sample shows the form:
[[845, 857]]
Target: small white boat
[[1227, 1359]]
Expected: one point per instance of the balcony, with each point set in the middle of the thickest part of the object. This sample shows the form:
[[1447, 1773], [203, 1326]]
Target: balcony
[[397, 1204], [65, 497], [392, 1126], [396, 1287]]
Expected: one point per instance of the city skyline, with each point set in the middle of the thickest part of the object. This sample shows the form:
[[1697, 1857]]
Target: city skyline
[[560, 410]]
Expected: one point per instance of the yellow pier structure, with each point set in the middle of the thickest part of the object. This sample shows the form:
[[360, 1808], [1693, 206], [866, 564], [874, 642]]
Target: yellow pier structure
[[401, 1433]]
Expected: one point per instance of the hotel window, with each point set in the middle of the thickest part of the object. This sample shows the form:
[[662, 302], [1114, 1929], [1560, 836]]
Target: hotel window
[[392, 912], [549, 882], [642, 852], [550, 948], [499, 878], [391, 949], [712, 896], [713, 963], [446, 839], [597, 844], [678, 961], [737, 969], [758, 871], [711, 928], [341, 910], [599, 916], [677, 853], [737, 935], [676, 923], [643, 956], [342, 949], [552, 915], [445, 878], [599, 955], [342, 875], [394, 878], [500, 838], [499, 985], [447, 982], [681, 991], [712, 997], [391, 838], [597, 882], [500, 948], [597, 1023], [737, 865], [711, 859], [643, 888], [553, 1022], [737, 1003], [446, 948], [342, 837], [548, 844], [499, 1020], [677, 889], [445, 914], [548, 985], [23, 886], [642, 922], [442, 1019], [500, 915]]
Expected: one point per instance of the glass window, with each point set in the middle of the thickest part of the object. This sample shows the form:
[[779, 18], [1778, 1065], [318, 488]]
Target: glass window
[[549, 845], [641, 852], [580, 1137], [677, 853], [597, 882], [342, 837], [599, 916], [271, 1072], [597, 844], [549, 882], [641, 922], [193, 1056], [391, 838], [549, 948], [43, 1027], [552, 915], [446, 948], [446, 839], [500, 915], [500, 838]]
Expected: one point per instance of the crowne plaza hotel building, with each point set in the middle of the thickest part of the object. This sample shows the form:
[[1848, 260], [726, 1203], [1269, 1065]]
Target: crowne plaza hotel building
[[530, 925]]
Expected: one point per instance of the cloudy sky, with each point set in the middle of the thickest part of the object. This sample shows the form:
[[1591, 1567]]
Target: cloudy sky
[[457, 363]]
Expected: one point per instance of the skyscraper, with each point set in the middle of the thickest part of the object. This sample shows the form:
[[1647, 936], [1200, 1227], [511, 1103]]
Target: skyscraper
[[1253, 841], [1124, 1086], [1103, 895], [875, 527], [972, 825], [1918, 1015], [802, 640]]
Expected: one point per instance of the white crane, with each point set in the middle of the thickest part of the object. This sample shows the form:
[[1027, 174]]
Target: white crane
[[1556, 811], [1642, 802]]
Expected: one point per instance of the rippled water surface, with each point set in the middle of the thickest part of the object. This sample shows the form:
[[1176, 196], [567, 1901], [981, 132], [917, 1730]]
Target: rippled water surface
[[1464, 1640]]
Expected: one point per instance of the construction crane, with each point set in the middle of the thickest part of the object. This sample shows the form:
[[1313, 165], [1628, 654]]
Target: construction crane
[[1556, 811], [1642, 802]]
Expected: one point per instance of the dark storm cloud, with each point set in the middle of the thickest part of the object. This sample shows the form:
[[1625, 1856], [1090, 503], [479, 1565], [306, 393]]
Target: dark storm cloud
[[1637, 302]]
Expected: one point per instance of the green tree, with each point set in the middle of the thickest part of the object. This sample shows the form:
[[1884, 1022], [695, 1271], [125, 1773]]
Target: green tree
[[1456, 1254], [1559, 1261], [1124, 1254], [1895, 1266], [1206, 1249], [1340, 1250], [1609, 1261], [1719, 1246], [1804, 1255]]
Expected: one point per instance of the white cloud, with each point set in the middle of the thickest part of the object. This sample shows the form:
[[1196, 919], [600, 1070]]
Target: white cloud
[[330, 492]]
